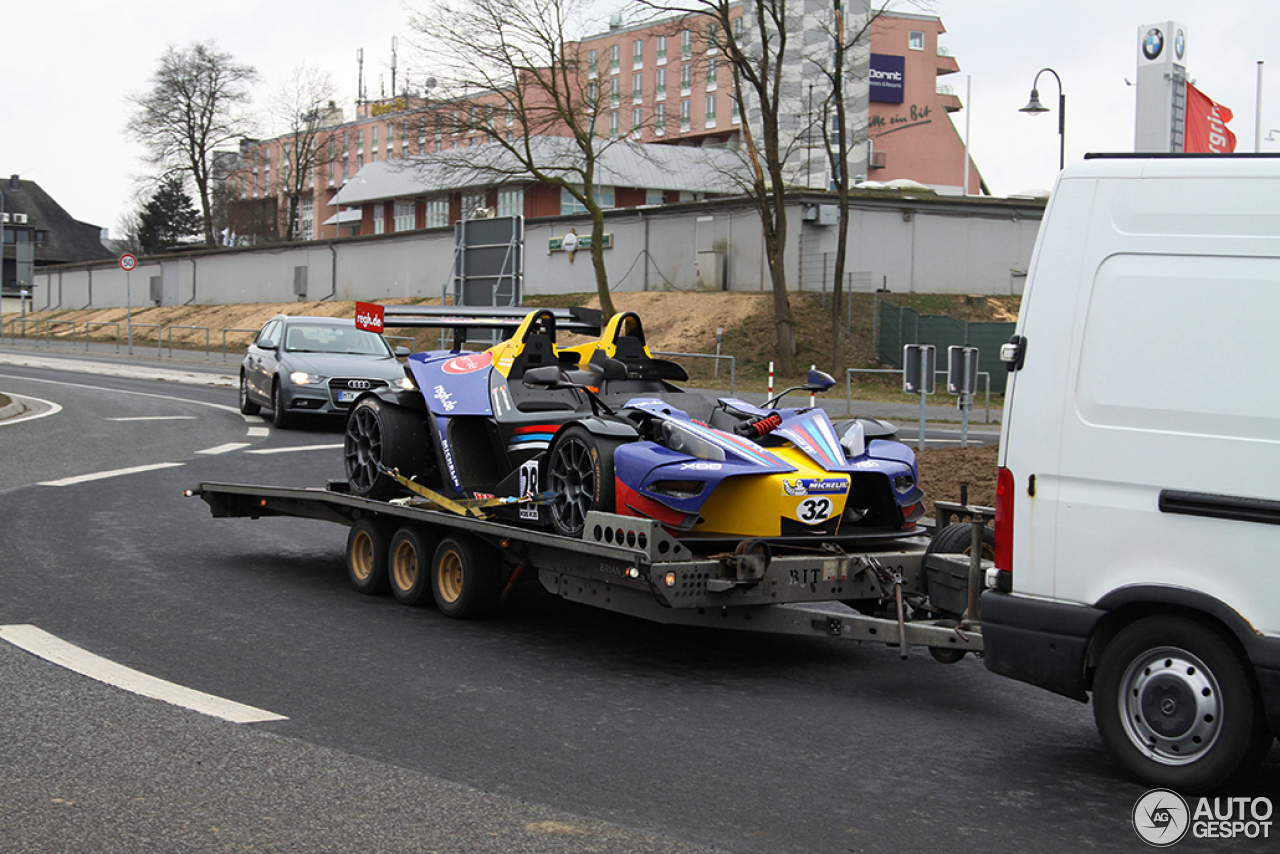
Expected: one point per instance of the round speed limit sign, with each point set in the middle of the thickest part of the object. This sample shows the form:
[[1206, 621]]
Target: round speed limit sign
[[128, 262]]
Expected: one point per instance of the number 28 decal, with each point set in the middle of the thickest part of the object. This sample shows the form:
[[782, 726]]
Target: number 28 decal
[[811, 511]]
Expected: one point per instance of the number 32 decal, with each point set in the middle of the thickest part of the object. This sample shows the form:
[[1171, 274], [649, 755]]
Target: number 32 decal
[[811, 511]]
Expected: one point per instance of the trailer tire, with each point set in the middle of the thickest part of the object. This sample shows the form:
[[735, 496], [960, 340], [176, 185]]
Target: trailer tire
[[367, 555], [957, 539], [380, 433], [579, 469], [465, 578], [1175, 703], [409, 564]]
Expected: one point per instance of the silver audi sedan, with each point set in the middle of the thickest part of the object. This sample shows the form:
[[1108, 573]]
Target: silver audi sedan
[[314, 366]]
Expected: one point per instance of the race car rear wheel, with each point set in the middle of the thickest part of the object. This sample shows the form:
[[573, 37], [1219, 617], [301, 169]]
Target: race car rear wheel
[[579, 469], [379, 433]]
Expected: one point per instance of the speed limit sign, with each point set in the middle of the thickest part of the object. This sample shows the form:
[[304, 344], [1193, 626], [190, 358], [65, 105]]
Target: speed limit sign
[[128, 262]]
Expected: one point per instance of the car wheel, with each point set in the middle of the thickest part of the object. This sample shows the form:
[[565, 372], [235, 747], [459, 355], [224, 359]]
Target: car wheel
[[279, 416], [409, 565], [367, 555], [381, 434], [1174, 702], [465, 578], [247, 406], [579, 469]]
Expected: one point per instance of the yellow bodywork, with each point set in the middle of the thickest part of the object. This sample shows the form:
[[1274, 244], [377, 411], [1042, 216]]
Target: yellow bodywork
[[755, 505]]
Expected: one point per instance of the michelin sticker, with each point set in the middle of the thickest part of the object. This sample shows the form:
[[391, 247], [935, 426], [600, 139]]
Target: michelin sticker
[[814, 486]]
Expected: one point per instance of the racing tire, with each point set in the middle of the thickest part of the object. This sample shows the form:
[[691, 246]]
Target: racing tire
[[380, 433], [1174, 701], [579, 469], [409, 565], [465, 578], [247, 406], [367, 555], [280, 417]]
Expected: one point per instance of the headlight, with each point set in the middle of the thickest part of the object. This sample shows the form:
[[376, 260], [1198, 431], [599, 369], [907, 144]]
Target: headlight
[[304, 378], [406, 383], [679, 438]]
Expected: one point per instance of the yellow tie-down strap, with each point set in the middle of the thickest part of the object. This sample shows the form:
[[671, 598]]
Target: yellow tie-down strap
[[470, 507]]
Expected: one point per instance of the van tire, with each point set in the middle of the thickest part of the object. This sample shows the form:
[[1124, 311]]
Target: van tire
[[1211, 728]]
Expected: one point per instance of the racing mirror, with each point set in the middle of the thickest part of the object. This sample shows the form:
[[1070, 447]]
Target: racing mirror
[[548, 376], [819, 380]]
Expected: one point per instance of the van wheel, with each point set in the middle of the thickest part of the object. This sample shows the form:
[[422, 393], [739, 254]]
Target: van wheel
[[367, 555], [465, 578], [409, 565], [1174, 702]]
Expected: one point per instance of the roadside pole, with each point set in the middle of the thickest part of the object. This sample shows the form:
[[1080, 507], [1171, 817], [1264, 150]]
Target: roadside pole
[[127, 263]]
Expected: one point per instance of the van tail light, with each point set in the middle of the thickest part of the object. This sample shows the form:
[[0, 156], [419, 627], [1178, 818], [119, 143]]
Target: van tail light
[[1004, 529]]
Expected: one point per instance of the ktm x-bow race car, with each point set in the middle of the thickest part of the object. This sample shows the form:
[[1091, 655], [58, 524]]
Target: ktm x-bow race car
[[600, 426]]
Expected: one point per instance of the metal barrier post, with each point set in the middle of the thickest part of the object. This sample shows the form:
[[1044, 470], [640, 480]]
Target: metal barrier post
[[174, 326]]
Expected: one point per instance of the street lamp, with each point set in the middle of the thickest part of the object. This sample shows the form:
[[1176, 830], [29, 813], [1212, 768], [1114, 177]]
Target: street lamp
[[1035, 108]]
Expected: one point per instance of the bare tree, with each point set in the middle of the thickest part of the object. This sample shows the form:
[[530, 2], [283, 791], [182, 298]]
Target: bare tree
[[515, 73], [302, 109], [763, 58], [194, 106]]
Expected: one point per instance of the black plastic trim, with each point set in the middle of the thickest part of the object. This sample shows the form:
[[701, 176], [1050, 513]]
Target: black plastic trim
[[1041, 643], [1234, 507]]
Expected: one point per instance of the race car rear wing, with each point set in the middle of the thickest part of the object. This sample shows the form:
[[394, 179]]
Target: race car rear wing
[[461, 319]]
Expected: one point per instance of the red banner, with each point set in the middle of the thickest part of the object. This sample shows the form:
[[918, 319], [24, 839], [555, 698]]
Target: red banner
[[1207, 130], [369, 316]]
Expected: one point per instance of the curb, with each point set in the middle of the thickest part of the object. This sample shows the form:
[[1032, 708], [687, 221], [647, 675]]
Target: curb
[[14, 408]]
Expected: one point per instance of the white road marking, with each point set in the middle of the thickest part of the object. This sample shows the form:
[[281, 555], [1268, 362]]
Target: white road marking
[[156, 418], [57, 651], [53, 409], [103, 475], [222, 449], [290, 450], [259, 431]]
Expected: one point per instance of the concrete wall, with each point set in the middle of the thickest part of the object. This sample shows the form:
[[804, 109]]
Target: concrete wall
[[925, 246]]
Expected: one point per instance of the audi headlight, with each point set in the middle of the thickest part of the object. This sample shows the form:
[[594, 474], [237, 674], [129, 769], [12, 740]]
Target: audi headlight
[[406, 382], [683, 440], [304, 378]]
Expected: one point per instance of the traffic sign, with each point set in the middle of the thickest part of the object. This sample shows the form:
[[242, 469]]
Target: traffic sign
[[128, 262]]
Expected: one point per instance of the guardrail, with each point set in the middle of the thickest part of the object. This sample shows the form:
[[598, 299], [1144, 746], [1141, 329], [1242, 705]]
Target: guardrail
[[89, 323], [227, 329], [985, 376], [169, 329]]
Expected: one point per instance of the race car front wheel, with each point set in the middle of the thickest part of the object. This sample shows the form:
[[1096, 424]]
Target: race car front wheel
[[380, 434], [579, 469]]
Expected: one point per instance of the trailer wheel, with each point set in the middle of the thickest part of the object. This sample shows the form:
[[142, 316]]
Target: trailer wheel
[[946, 654], [1174, 702], [465, 579], [409, 565], [957, 539], [382, 433], [247, 406], [579, 469], [367, 555]]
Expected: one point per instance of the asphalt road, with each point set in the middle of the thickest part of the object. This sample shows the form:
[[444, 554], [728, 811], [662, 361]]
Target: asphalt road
[[549, 728]]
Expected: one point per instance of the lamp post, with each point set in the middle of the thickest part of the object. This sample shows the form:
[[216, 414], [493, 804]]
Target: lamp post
[[1035, 108]]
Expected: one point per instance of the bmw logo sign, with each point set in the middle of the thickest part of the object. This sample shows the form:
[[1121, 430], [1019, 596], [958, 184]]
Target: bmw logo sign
[[1153, 43], [1179, 44]]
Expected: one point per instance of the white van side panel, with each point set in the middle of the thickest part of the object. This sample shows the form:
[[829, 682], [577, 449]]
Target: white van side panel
[[1169, 331]]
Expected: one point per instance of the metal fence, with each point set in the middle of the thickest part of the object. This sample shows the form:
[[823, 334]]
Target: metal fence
[[901, 326]]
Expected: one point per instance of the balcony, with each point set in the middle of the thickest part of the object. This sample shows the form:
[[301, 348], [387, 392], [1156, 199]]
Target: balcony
[[946, 62]]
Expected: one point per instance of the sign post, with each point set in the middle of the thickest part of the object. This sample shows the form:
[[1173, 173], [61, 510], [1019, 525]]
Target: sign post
[[127, 263], [919, 363], [962, 380]]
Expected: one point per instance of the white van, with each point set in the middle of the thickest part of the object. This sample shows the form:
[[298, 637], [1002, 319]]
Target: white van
[[1138, 510]]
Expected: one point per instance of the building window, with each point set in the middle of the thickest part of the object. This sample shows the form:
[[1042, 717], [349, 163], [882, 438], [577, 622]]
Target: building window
[[660, 119], [373, 144], [713, 37], [391, 140], [712, 77], [684, 115], [615, 90], [654, 197], [511, 115], [422, 134], [686, 44], [915, 40], [306, 218], [637, 54], [405, 215], [593, 61], [734, 115], [615, 58], [510, 201], [739, 27], [711, 111], [662, 50], [636, 120], [379, 219], [613, 123], [472, 202], [637, 86], [593, 95], [569, 204], [686, 78], [437, 213], [660, 84]]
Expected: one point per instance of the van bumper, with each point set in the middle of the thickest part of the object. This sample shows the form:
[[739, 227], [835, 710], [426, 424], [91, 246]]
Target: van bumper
[[1041, 643]]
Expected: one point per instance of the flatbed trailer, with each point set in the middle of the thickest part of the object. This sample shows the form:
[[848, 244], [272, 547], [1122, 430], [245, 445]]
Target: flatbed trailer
[[895, 591]]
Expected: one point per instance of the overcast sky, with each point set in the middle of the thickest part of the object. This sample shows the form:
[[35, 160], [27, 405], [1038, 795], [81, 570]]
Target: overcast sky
[[69, 65]]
